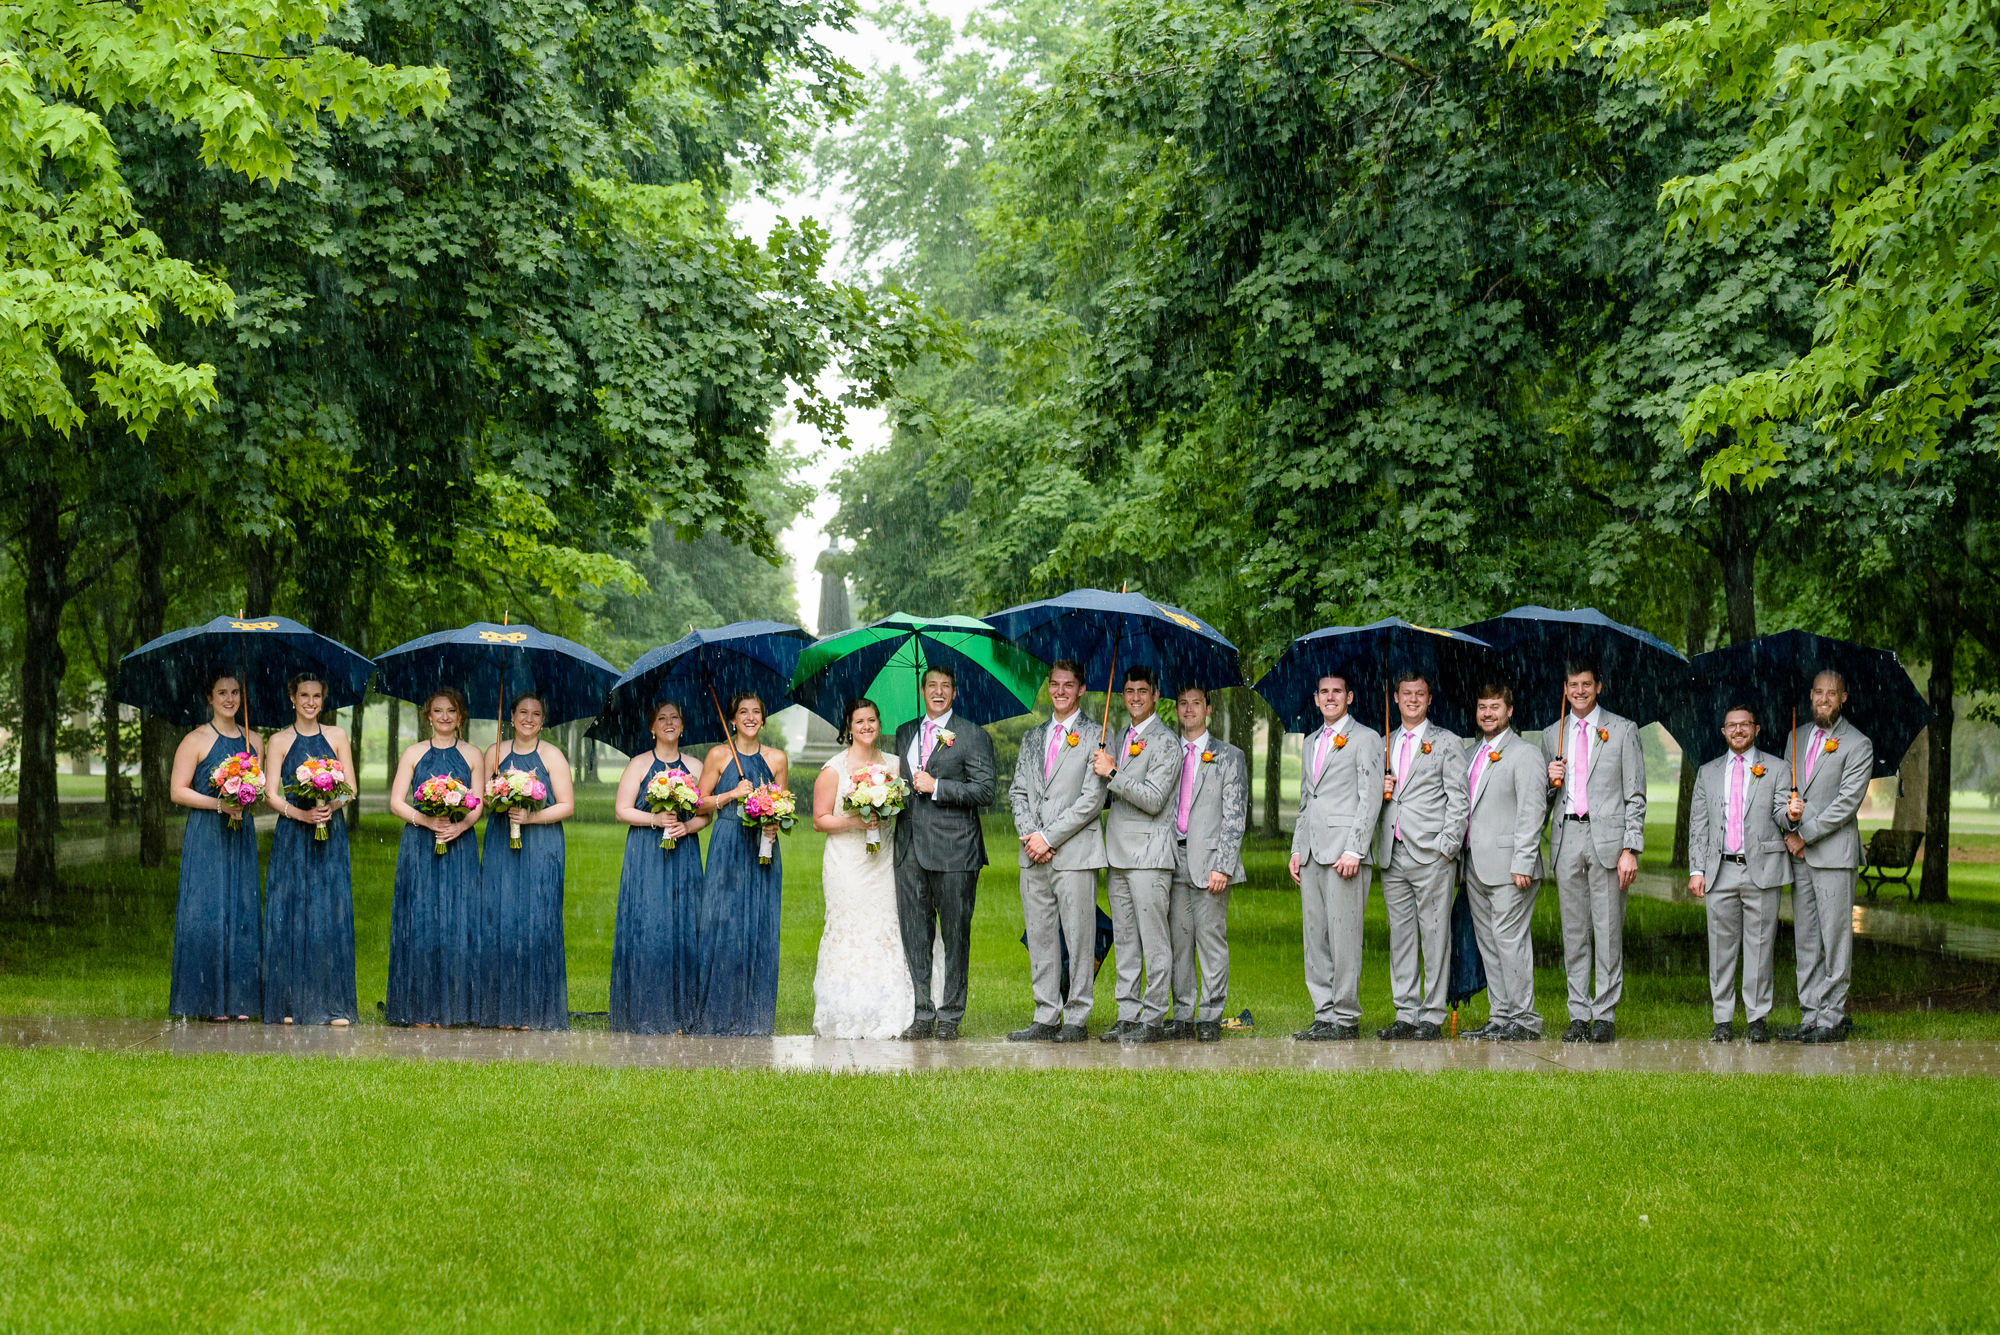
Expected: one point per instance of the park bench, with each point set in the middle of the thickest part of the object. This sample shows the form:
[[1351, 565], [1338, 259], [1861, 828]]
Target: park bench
[[1889, 856]]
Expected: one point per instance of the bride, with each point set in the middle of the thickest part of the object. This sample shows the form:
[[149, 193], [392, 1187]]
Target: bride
[[862, 986]]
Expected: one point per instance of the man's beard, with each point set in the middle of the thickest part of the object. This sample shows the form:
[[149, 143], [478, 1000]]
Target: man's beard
[[1489, 736], [1831, 717]]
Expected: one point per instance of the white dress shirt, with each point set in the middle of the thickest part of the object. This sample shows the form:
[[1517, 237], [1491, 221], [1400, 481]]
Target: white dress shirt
[[943, 722], [1573, 777]]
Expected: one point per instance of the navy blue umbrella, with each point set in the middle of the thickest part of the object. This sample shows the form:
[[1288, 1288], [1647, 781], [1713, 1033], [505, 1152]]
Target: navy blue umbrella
[[490, 664], [1644, 677], [1368, 658], [1773, 675], [698, 672], [1108, 632], [1468, 970], [166, 677]]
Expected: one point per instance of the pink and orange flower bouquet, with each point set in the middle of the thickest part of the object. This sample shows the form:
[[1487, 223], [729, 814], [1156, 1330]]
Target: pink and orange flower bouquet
[[319, 782], [515, 792], [768, 805], [239, 782], [442, 795], [877, 795], [671, 791]]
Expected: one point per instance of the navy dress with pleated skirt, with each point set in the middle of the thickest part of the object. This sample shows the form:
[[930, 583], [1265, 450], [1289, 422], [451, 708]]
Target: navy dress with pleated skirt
[[654, 981], [434, 918], [524, 982], [308, 913], [217, 943], [737, 927]]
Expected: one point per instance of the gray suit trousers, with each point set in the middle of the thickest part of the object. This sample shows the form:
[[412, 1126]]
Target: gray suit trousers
[[1054, 900], [1502, 916], [1593, 917], [1417, 896], [1332, 905], [1199, 924], [1823, 930], [1141, 942], [1742, 922]]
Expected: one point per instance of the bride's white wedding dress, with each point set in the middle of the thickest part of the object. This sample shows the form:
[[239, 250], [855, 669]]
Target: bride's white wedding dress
[[861, 988]]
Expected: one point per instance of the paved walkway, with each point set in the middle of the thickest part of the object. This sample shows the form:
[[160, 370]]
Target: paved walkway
[[804, 1053]]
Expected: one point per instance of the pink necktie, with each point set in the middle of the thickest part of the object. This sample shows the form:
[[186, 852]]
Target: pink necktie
[[1188, 764], [1818, 745], [1579, 791], [930, 740], [1319, 755], [1056, 731], [1131, 736], [1402, 768], [1733, 841], [1472, 784]]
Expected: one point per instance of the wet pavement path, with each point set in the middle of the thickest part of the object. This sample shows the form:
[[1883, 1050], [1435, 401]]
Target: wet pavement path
[[805, 1053]]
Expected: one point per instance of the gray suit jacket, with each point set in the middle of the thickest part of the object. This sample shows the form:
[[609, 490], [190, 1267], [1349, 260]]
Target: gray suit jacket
[[1139, 829], [943, 833], [1831, 826], [1337, 812], [1063, 807], [1430, 803], [1217, 813], [1504, 838], [1615, 784], [1764, 797]]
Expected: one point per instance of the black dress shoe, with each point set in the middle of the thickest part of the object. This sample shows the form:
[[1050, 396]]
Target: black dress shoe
[[1035, 1033], [1184, 1028], [1578, 1032], [1116, 1031], [1519, 1033], [1832, 1033], [1603, 1031], [1345, 1032], [1760, 1032], [1844, 1028], [1400, 1030], [1428, 1032], [918, 1029], [1072, 1033], [1208, 1031], [1724, 1032], [1147, 1033], [1319, 1031], [1489, 1031], [946, 1031]]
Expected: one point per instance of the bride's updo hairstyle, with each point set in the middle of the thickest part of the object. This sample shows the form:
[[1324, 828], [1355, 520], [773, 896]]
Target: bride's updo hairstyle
[[847, 718]]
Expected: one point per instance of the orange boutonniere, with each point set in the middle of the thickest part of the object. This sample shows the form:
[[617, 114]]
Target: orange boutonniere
[[1339, 740], [1427, 748], [1604, 734], [1831, 746], [1071, 739], [1493, 757], [1756, 771], [1135, 748], [1208, 757]]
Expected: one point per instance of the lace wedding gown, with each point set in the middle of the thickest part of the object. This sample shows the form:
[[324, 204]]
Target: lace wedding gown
[[862, 986]]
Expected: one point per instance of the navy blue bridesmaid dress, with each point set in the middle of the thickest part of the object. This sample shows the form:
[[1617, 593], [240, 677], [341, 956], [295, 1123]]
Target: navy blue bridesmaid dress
[[216, 968], [523, 979], [308, 913], [434, 919], [654, 983], [737, 926]]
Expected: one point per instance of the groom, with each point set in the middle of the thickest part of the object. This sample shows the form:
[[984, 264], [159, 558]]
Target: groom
[[940, 848]]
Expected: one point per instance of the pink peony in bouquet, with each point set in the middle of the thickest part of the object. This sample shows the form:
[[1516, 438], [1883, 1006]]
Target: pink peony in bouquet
[[769, 805], [239, 782], [319, 782], [671, 791], [877, 795], [442, 795], [516, 792]]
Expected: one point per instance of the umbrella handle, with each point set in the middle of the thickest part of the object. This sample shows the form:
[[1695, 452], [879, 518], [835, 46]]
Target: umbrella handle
[[1104, 728], [713, 699]]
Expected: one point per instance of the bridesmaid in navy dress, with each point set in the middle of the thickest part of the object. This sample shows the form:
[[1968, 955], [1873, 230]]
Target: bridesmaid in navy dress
[[654, 984], [525, 980], [737, 931], [308, 889], [216, 970], [434, 920]]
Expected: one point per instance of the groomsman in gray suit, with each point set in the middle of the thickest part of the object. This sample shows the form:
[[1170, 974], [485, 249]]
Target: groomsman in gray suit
[[1417, 839], [1738, 865], [1211, 808], [1056, 800], [1503, 864], [1139, 845], [1823, 835], [1599, 790], [1340, 790]]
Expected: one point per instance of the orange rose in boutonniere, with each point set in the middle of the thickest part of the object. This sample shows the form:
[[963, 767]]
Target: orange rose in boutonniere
[[1427, 748], [1208, 757], [1831, 746], [1756, 771], [1071, 739], [1604, 734], [1339, 740], [1135, 748], [1493, 757]]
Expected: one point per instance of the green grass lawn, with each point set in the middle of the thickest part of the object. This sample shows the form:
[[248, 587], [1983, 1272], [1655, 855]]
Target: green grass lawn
[[108, 950], [271, 1193]]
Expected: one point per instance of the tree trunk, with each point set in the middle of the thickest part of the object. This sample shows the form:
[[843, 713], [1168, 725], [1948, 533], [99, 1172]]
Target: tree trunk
[[395, 741], [1701, 594], [1274, 771], [1913, 783], [114, 756], [149, 618], [43, 576], [260, 576], [1736, 553], [1936, 886], [354, 742]]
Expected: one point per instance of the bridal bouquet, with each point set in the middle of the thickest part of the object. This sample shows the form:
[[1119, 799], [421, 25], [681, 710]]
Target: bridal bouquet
[[769, 804], [670, 791], [319, 782], [442, 795], [238, 780], [516, 792], [877, 795]]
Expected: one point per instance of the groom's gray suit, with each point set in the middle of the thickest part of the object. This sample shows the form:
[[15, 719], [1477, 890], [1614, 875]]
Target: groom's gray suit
[[1061, 802], [1338, 799], [1139, 846], [939, 850]]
